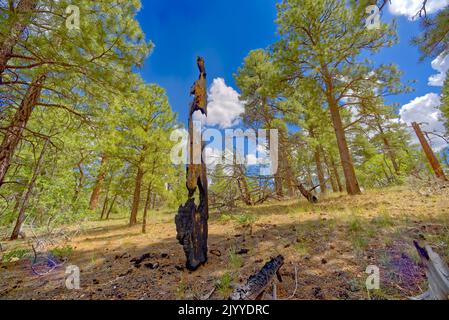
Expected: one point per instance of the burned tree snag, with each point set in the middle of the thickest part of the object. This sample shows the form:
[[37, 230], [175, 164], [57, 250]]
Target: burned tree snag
[[429, 153], [191, 220], [259, 282]]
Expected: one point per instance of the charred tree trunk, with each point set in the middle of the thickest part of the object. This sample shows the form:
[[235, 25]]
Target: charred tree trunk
[[26, 197], [22, 13], [98, 184], [15, 130], [352, 185], [259, 282], [435, 164], [192, 220], [136, 196]]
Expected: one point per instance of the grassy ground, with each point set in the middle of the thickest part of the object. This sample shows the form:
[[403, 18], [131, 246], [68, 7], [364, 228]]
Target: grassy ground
[[327, 248]]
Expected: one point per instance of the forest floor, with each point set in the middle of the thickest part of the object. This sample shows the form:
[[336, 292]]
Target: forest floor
[[327, 248]]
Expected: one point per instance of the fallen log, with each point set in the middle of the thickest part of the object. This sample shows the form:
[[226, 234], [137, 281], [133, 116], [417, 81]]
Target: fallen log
[[437, 274], [259, 282], [307, 194]]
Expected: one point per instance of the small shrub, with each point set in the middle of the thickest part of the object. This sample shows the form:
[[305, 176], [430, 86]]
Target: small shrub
[[246, 219], [355, 224], [301, 248], [384, 219], [62, 252], [225, 218], [235, 260], [223, 285], [15, 255], [181, 290]]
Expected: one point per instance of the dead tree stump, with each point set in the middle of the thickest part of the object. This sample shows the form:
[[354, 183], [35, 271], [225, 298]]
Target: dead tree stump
[[191, 220]]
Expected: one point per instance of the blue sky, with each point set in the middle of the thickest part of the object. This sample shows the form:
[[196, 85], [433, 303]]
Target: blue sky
[[221, 31], [225, 31]]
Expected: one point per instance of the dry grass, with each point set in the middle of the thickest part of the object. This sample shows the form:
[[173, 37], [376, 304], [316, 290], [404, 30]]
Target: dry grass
[[330, 244]]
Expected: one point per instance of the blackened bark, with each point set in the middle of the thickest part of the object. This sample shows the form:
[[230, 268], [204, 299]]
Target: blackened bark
[[192, 220], [259, 282]]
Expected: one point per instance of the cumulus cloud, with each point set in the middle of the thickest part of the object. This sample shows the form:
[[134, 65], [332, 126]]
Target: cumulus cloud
[[440, 64], [410, 8], [424, 110], [224, 106]]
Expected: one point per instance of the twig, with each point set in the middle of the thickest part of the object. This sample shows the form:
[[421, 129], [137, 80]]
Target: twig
[[296, 284]]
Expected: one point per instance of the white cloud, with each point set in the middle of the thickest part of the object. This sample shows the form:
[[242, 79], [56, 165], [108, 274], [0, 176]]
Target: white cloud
[[224, 107], [424, 110], [410, 8], [440, 64]]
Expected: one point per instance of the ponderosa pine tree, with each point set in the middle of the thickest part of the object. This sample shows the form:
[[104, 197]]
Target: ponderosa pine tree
[[321, 41], [97, 60]]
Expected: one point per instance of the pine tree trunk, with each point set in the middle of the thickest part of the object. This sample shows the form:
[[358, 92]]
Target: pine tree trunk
[[145, 211], [387, 148], [80, 181], [23, 9], [15, 130], [278, 185], [136, 197], [335, 173], [243, 186], [106, 199], [352, 185], [111, 207], [98, 184], [23, 206], [105, 205], [329, 173], [434, 163], [320, 172]]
